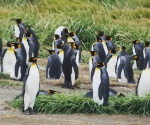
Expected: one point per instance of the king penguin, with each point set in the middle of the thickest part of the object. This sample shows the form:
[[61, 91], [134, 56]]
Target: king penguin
[[100, 82], [8, 59], [31, 86], [19, 28], [110, 63], [137, 49], [20, 66], [69, 64], [54, 67], [125, 71]]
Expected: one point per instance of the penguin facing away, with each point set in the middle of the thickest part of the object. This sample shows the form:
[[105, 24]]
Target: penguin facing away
[[69, 66], [31, 86], [143, 85], [110, 63], [100, 84], [125, 70], [8, 59], [54, 67]]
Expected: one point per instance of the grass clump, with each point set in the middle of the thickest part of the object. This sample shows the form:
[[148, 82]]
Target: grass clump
[[4, 76], [9, 84], [69, 104]]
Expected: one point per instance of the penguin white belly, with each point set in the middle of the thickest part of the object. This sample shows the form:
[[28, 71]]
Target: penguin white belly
[[134, 64], [144, 52], [123, 78], [111, 67], [32, 87], [53, 45], [26, 45], [12, 75], [118, 63], [9, 62], [77, 58], [96, 84], [105, 48], [73, 76], [17, 31], [92, 49], [144, 83], [61, 55], [48, 73]]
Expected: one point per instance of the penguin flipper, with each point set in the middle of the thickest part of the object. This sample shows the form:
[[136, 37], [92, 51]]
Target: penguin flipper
[[17, 66], [100, 90], [146, 60], [31, 50], [107, 59], [92, 72], [74, 64], [2, 55], [120, 67]]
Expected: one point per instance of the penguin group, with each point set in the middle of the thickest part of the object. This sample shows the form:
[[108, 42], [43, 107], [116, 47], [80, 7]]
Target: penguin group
[[19, 60]]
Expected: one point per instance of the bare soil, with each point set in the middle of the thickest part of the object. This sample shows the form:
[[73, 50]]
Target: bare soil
[[10, 116]]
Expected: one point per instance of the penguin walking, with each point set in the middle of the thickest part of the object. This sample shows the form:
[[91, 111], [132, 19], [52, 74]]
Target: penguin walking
[[143, 84], [137, 49], [20, 66], [8, 59], [31, 86], [69, 66], [110, 63], [125, 70], [54, 67], [100, 84]]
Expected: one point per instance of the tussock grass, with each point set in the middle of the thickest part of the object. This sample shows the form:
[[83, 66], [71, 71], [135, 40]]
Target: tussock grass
[[69, 104], [123, 20], [4, 76]]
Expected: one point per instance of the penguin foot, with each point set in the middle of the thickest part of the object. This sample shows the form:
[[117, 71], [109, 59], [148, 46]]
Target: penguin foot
[[26, 112], [31, 111]]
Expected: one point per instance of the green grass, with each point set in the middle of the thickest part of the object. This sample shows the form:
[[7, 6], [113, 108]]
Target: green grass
[[123, 20], [4, 76], [70, 104], [4, 83]]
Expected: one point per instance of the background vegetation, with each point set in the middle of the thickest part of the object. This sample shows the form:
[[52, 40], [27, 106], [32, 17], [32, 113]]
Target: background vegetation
[[124, 20]]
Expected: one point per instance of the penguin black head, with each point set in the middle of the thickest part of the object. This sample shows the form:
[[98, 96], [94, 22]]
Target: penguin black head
[[28, 34], [9, 44], [59, 46], [93, 53], [32, 59], [56, 36], [113, 51], [76, 47], [100, 64], [17, 45], [51, 52], [18, 20], [98, 39], [120, 94], [52, 92], [147, 43], [108, 38], [135, 41], [123, 48], [18, 39], [27, 27], [100, 33], [135, 57]]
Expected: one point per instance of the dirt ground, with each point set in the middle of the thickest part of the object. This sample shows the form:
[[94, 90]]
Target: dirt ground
[[10, 116]]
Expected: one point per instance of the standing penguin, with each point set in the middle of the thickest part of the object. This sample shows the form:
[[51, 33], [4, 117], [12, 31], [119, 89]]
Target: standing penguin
[[110, 63], [53, 68], [143, 85], [137, 49], [69, 66], [8, 59], [125, 71], [20, 28], [20, 66], [31, 86], [100, 82]]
